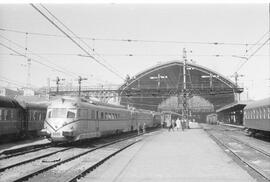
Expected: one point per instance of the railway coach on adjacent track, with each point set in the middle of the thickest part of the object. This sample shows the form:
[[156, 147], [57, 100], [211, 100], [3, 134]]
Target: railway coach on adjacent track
[[257, 116], [19, 119]]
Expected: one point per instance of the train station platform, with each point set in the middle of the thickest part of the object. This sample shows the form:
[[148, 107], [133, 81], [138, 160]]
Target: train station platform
[[188, 156]]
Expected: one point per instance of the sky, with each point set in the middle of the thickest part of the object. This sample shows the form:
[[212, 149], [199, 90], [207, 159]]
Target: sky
[[159, 32]]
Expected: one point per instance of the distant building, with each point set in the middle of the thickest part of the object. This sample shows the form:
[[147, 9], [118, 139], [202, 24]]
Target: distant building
[[28, 92], [8, 92]]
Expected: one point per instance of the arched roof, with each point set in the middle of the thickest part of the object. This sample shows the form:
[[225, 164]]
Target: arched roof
[[169, 76]]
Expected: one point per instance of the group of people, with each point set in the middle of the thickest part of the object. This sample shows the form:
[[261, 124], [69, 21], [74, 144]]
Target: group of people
[[176, 124]]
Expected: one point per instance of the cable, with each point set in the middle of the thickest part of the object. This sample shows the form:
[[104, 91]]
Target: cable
[[66, 71], [251, 55], [13, 82], [135, 55], [257, 42], [48, 66], [75, 42], [90, 48], [133, 40]]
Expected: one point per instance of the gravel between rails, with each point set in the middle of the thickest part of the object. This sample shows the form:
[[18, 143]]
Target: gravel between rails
[[25, 171], [17, 172], [28, 157], [75, 169], [251, 157]]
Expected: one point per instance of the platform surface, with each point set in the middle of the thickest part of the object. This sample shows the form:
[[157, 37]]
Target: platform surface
[[189, 156]]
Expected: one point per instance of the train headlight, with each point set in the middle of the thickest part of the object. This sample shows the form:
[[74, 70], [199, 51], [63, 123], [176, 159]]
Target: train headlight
[[69, 133]]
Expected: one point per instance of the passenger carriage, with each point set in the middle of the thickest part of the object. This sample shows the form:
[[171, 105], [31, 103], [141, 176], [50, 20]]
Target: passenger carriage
[[257, 116], [18, 119], [11, 117], [34, 116]]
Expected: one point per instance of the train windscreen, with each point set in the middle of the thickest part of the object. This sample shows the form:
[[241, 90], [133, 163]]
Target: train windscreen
[[61, 113]]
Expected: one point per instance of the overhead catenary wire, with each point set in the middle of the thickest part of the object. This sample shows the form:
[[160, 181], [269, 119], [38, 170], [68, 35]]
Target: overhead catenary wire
[[250, 56], [65, 71], [257, 43], [32, 59], [90, 48], [132, 40], [75, 42], [2, 78]]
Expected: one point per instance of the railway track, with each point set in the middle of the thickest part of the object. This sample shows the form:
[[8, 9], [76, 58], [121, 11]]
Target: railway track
[[77, 161], [257, 160], [23, 150]]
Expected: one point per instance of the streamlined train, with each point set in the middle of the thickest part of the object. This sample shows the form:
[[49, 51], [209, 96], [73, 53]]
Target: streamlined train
[[20, 119], [73, 119], [257, 117]]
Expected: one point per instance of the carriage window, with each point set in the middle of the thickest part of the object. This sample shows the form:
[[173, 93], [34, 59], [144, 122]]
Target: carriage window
[[36, 115], [264, 113], [83, 114], [8, 116], [101, 115], [93, 115], [1, 115], [40, 116], [43, 115], [89, 114], [113, 116], [70, 114], [49, 114], [268, 112], [106, 115], [12, 114]]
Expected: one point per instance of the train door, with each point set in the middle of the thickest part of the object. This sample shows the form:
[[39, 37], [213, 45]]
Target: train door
[[97, 124], [23, 115], [133, 120]]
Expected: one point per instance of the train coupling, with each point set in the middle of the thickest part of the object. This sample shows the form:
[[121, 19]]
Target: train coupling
[[44, 132]]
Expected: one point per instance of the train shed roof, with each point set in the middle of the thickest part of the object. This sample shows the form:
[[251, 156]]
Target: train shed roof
[[233, 106]]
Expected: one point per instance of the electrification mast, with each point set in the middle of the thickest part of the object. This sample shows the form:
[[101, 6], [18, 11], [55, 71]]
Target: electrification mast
[[184, 91], [80, 82]]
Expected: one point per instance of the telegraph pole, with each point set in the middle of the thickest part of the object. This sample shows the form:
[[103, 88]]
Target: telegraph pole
[[28, 79], [57, 83], [80, 82], [236, 76], [184, 91], [28, 84]]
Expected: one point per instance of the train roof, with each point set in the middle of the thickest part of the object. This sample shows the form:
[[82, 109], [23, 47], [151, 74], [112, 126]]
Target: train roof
[[87, 101], [8, 102], [259, 103], [34, 105]]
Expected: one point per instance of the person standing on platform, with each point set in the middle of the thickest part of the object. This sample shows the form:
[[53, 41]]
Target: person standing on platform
[[144, 125], [178, 123], [182, 124], [169, 123], [138, 128], [173, 124]]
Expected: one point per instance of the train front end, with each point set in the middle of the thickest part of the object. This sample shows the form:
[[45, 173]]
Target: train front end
[[60, 124]]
